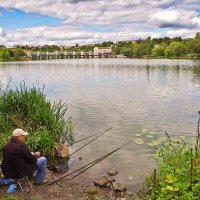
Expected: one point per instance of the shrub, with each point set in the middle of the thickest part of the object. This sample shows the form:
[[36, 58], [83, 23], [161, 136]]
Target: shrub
[[178, 174]]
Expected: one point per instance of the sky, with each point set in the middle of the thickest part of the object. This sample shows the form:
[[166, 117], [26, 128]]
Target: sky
[[70, 22]]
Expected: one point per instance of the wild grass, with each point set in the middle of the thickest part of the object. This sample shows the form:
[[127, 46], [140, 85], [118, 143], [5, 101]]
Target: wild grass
[[178, 172], [29, 109], [92, 194], [11, 197]]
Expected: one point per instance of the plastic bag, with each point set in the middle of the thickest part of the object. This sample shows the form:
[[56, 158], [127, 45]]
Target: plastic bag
[[4, 181], [12, 188]]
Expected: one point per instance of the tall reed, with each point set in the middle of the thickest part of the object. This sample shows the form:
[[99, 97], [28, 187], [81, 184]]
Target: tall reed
[[29, 109]]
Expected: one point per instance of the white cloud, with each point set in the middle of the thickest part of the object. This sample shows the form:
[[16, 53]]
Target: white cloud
[[67, 36], [184, 33], [1, 32], [176, 18], [84, 20]]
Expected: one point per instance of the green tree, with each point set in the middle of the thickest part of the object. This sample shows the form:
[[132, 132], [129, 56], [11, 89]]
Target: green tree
[[19, 53], [126, 51], [158, 50], [107, 44], [4, 54], [137, 50], [117, 50], [175, 49], [197, 36]]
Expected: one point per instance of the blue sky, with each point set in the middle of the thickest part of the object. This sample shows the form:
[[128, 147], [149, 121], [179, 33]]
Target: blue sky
[[15, 19], [68, 22]]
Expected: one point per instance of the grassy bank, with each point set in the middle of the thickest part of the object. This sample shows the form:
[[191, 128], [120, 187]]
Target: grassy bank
[[28, 108]]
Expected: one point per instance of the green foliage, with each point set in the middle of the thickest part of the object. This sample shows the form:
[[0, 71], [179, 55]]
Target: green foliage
[[156, 47], [18, 52], [49, 48], [178, 174], [197, 36], [41, 140], [11, 54], [175, 49], [92, 194], [160, 47], [30, 110], [158, 51], [10, 197], [4, 54], [17, 197]]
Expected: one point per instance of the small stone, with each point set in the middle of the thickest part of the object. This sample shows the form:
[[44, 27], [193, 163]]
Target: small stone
[[62, 167], [110, 179], [62, 150], [101, 181], [130, 193], [118, 187], [80, 158], [112, 172]]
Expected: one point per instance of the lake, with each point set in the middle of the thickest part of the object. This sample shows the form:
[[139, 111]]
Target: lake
[[134, 96]]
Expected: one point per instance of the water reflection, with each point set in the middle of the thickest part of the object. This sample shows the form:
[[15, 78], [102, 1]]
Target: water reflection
[[130, 95], [196, 72]]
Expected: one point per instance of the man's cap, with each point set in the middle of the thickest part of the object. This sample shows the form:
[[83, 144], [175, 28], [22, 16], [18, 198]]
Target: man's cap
[[18, 132]]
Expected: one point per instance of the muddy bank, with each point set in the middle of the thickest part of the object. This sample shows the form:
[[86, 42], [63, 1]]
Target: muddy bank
[[81, 188]]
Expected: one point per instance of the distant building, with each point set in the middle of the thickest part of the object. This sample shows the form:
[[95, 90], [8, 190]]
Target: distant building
[[102, 50], [127, 41], [65, 47]]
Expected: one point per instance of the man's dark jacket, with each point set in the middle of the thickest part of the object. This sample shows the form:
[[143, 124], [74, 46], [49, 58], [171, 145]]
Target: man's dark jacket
[[18, 160]]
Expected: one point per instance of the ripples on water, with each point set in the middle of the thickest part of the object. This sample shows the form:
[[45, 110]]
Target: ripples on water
[[130, 95]]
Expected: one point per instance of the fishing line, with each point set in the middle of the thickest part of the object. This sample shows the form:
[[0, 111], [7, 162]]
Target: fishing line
[[87, 166], [90, 141]]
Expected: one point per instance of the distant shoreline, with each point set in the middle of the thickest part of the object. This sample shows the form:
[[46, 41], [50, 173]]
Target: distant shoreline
[[22, 59]]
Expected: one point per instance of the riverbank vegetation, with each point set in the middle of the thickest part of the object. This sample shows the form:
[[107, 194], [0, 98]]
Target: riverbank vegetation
[[143, 48], [28, 108], [177, 175], [15, 54], [161, 48]]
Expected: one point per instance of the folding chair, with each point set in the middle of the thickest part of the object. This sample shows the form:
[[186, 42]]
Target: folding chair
[[24, 184]]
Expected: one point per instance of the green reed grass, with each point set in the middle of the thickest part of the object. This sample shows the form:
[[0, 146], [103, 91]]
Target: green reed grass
[[29, 109]]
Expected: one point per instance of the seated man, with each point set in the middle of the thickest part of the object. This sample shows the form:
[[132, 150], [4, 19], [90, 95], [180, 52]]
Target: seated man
[[19, 162]]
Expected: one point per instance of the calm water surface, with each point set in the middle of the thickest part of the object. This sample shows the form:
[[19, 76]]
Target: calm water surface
[[129, 95]]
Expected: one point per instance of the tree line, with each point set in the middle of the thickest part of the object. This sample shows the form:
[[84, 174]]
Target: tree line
[[156, 47], [153, 48], [7, 54], [160, 47]]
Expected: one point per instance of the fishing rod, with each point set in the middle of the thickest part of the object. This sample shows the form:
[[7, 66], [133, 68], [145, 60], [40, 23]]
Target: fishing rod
[[102, 132], [91, 135], [98, 160], [87, 166], [90, 141]]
